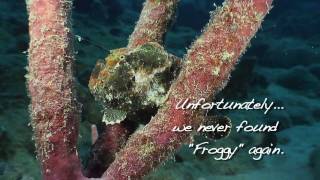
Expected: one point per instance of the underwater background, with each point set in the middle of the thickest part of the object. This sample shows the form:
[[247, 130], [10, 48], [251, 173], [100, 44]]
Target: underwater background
[[282, 64]]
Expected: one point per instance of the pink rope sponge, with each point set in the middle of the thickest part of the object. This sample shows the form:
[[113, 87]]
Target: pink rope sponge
[[54, 108]]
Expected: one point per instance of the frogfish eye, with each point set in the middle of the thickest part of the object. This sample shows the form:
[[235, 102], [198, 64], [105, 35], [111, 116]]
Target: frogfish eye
[[122, 57]]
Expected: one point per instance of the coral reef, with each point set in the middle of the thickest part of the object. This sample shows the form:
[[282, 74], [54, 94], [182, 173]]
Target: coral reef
[[288, 43], [143, 66], [205, 72], [54, 109], [105, 148], [153, 22]]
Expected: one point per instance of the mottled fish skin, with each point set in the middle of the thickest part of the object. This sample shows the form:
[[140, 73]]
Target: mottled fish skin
[[129, 80]]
